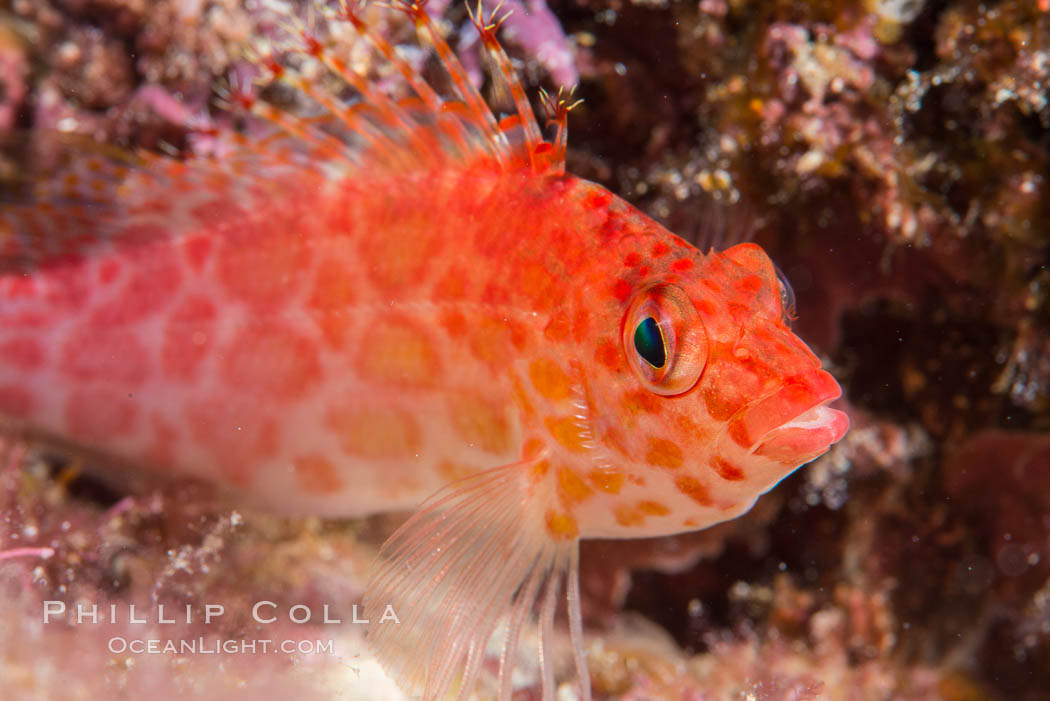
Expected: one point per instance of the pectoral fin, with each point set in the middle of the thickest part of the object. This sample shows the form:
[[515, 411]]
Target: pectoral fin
[[474, 555]]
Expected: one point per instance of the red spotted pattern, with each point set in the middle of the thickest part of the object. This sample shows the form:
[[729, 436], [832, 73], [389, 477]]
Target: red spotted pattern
[[261, 266], [22, 353], [113, 356], [272, 360], [188, 338], [152, 282]]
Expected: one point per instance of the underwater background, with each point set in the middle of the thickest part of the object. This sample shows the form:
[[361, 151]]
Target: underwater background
[[892, 157]]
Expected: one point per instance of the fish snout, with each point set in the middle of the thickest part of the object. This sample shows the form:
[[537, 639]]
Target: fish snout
[[794, 424]]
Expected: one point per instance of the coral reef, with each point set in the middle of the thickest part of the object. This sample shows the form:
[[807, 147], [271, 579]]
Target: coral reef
[[893, 158]]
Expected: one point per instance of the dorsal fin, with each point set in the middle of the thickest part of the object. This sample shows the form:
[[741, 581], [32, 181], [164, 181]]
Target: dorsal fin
[[355, 129], [461, 127]]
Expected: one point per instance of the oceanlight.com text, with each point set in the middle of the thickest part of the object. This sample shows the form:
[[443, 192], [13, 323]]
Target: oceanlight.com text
[[118, 645]]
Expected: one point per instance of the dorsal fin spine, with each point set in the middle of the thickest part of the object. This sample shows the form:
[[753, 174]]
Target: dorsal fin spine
[[414, 80], [487, 31], [469, 126], [346, 115], [452, 127], [300, 128], [381, 105], [479, 109], [557, 110]]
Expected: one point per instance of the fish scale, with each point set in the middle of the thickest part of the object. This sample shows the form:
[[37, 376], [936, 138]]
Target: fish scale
[[433, 316]]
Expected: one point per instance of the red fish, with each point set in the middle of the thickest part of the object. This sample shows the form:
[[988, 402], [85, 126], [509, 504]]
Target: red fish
[[392, 300]]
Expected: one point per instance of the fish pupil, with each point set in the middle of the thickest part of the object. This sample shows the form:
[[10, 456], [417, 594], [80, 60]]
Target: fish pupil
[[649, 342]]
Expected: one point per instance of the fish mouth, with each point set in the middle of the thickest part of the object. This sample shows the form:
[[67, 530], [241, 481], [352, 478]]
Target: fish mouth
[[805, 437], [795, 424]]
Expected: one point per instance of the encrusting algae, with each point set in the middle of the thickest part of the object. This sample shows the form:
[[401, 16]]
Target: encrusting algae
[[396, 301]]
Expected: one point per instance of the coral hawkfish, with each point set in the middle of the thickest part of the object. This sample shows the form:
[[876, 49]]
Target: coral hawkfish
[[408, 304]]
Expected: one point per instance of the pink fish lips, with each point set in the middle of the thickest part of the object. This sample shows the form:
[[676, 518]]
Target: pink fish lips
[[795, 424]]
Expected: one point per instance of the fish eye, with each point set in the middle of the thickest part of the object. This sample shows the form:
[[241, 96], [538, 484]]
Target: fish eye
[[787, 296], [649, 342], [664, 340]]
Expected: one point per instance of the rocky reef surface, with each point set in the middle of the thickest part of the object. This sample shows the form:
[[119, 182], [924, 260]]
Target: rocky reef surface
[[892, 155]]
